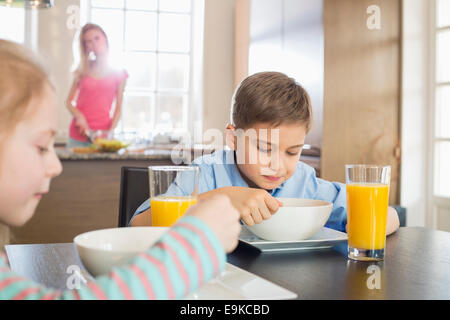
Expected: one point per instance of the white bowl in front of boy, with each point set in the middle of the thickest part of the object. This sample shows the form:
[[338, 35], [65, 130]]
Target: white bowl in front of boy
[[297, 219], [101, 250]]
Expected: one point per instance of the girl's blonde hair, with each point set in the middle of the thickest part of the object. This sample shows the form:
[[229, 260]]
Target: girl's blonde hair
[[84, 55], [22, 78]]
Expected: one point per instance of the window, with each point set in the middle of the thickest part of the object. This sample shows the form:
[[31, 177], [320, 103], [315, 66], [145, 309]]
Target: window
[[441, 137], [155, 41], [19, 25], [12, 24]]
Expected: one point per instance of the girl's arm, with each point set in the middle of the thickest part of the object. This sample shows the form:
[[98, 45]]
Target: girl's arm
[[70, 104], [119, 101], [70, 101], [187, 256]]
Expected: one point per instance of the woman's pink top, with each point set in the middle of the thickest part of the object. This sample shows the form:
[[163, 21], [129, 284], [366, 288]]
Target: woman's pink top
[[95, 99]]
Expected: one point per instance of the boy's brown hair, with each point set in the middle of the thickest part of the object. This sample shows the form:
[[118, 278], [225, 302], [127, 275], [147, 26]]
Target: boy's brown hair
[[270, 97]]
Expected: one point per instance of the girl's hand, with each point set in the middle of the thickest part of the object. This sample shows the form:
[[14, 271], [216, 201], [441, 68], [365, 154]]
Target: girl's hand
[[220, 215], [81, 123]]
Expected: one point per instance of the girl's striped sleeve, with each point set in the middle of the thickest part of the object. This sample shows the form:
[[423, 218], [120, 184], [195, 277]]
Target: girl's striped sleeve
[[187, 256]]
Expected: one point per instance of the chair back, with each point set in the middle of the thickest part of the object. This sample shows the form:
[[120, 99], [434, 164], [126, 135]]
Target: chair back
[[134, 190]]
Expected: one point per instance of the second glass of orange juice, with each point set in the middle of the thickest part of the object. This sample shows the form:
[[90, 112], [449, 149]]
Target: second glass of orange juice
[[173, 189], [367, 207]]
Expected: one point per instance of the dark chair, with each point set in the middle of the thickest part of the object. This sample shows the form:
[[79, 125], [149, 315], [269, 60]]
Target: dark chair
[[401, 215], [134, 190]]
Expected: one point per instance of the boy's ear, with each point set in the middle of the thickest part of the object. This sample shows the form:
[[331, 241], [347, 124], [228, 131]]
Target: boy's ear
[[230, 137]]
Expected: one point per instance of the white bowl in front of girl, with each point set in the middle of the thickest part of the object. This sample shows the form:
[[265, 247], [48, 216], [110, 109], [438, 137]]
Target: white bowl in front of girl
[[101, 250], [297, 219]]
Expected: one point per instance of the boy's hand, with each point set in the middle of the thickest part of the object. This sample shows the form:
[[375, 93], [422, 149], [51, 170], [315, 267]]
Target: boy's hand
[[254, 205], [220, 215]]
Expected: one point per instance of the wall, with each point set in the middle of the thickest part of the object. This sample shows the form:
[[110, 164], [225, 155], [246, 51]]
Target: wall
[[54, 43], [287, 36], [218, 72]]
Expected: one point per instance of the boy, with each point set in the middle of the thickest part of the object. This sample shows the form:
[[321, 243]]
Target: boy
[[271, 115]]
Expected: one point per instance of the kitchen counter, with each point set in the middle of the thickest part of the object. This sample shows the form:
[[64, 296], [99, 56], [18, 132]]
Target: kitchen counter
[[154, 152]]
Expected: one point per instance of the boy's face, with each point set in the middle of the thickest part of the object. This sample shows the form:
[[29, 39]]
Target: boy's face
[[269, 155], [28, 161]]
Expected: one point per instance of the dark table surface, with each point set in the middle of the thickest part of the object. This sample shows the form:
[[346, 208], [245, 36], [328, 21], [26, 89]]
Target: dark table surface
[[416, 266]]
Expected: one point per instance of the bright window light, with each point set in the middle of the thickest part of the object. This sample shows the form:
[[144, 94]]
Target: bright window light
[[12, 24], [443, 13], [152, 40]]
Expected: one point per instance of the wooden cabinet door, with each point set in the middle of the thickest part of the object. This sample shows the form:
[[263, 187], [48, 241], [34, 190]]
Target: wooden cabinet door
[[362, 87]]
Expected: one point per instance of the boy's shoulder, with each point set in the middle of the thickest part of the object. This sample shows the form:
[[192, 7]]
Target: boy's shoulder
[[219, 156], [304, 169]]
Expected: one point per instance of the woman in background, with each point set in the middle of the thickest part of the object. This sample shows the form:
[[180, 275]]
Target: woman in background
[[95, 88]]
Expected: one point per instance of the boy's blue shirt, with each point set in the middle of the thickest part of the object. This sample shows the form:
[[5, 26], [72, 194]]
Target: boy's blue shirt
[[219, 170]]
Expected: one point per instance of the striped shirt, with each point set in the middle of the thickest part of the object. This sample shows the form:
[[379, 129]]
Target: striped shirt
[[185, 257]]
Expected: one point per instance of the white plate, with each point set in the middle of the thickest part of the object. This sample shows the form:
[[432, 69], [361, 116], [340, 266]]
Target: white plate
[[237, 284], [324, 238]]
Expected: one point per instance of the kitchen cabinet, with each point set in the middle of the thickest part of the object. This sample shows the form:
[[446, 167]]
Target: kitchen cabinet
[[361, 88]]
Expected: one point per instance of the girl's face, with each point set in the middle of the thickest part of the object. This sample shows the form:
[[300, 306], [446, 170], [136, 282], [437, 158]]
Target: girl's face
[[95, 41], [28, 161]]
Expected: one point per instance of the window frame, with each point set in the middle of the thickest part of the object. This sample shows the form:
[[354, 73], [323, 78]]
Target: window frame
[[193, 107], [436, 200], [30, 28]]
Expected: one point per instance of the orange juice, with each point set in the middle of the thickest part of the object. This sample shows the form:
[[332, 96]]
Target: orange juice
[[168, 209], [367, 206]]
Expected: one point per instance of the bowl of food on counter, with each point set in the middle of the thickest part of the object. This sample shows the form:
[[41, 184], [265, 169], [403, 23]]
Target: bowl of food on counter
[[102, 141]]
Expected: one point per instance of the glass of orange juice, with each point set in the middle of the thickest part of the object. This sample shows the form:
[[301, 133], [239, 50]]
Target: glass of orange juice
[[367, 207], [173, 189]]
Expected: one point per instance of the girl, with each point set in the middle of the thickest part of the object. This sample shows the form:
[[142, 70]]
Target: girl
[[28, 162], [96, 86]]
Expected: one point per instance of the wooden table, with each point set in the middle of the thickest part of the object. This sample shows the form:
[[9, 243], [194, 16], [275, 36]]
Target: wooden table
[[417, 266]]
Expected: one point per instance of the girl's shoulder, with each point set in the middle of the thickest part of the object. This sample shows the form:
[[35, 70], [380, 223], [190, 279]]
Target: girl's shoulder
[[121, 74], [77, 75]]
